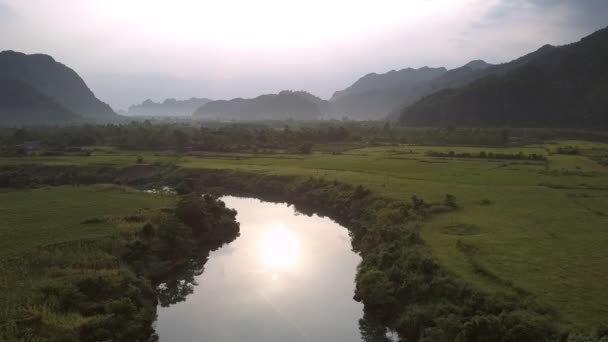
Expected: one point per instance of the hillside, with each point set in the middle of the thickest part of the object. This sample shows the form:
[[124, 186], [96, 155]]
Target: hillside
[[281, 106], [23, 104], [56, 81], [553, 86], [374, 95], [461, 76], [169, 107]]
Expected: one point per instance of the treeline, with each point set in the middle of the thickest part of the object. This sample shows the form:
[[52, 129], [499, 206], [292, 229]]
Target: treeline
[[274, 136], [487, 155], [569, 150], [177, 137]]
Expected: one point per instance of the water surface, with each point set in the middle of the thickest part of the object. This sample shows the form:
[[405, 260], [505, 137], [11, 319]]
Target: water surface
[[288, 277]]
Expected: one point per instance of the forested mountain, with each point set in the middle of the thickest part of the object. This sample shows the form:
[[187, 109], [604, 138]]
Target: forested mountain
[[375, 95], [169, 107], [553, 86], [460, 76], [401, 78], [21, 103], [284, 105], [56, 81]]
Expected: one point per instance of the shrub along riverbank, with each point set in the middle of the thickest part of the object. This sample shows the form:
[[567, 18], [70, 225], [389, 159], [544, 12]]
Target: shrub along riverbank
[[105, 288], [398, 280]]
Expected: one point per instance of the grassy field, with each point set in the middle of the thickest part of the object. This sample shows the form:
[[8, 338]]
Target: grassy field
[[35, 218], [537, 226], [46, 227]]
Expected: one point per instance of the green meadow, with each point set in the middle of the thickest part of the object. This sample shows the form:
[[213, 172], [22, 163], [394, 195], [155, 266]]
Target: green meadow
[[52, 233], [536, 227], [35, 218]]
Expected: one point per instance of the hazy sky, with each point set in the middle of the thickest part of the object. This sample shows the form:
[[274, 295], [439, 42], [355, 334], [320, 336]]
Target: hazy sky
[[130, 50]]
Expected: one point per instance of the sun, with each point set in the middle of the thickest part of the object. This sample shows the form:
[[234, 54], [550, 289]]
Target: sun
[[279, 249]]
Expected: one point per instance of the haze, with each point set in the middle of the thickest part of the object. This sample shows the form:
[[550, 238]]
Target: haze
[[129, 51]]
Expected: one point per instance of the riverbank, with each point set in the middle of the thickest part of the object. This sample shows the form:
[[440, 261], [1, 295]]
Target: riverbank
[[399, 281], [89, 270]]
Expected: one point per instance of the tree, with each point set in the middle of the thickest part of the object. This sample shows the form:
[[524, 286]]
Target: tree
[[505, 136], [184, 187], [181, 140], [305, 148], [450, 201], [372, 330], [190, 210], [20, 136]]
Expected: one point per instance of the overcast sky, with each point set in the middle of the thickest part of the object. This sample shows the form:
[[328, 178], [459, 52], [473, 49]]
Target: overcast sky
[[131, 50]]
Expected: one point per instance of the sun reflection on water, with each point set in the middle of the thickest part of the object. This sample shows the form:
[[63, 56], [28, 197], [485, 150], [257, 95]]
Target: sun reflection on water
[[279, 249]]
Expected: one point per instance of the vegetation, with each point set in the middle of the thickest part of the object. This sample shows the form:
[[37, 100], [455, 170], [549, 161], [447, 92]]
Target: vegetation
[[491, 245], [488, 155], [398, 280], [567, 150], [271, 137], [383, 231], [92, 277], [465, 234]]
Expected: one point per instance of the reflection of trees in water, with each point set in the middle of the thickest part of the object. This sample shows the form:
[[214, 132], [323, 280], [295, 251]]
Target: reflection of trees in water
[[373, 331], [181, 282]]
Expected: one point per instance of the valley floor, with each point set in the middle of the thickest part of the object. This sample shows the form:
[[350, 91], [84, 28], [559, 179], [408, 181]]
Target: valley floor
[[533, 226]]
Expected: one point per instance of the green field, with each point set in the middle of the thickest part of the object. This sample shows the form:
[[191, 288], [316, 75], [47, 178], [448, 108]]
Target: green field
[[535, 226], [46, 216], [45, 227]]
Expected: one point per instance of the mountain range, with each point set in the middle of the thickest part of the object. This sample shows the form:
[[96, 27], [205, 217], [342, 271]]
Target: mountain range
[[373, 96], [45, 76], [553, 86], [376, 96], [285, 105], [169, 107]]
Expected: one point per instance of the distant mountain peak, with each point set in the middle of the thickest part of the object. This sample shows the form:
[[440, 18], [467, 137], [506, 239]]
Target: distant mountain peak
[[374, 96], [478, 64], [546, 47], [168, 107], [286, 104], [54, 80], [390, 79]]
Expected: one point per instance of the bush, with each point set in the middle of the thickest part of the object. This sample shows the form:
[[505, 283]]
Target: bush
[[305, 148], [191, 211], [450, 201], [184, 187]]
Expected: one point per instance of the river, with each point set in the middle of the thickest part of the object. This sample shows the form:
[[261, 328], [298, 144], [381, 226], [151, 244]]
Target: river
[[288, 277]]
